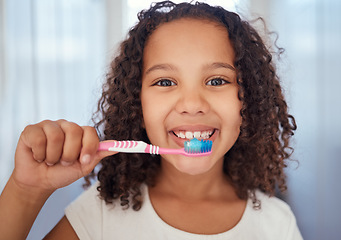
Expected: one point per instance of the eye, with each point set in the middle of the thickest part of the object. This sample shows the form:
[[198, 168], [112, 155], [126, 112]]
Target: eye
[[217, 82], [164, 83]]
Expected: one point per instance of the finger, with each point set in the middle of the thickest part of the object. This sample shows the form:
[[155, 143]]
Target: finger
[[72, 142], [104, 153], [34, 138], [86, 168], [103, 148], [55, 142], [94, 160], [90, 143]]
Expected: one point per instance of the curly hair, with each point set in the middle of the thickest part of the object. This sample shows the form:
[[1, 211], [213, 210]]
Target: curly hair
[[257, 159]]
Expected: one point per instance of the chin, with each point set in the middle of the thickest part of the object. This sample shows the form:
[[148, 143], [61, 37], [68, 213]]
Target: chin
[[193, 166]]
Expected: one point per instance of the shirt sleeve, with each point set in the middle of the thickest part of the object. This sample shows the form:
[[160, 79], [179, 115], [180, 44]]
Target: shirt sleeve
[[85, 215]]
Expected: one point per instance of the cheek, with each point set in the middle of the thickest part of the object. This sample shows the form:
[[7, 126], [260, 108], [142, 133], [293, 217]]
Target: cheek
[[236, 118], [148, 115], [235, 109], [153, 117], [232, 121], [152, 111], [229, 109]]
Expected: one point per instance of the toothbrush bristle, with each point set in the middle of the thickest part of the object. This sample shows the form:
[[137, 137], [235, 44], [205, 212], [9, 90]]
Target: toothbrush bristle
[[198, 146]]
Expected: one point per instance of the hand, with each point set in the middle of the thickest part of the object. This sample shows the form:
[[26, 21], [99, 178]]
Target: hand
[[54, 154]]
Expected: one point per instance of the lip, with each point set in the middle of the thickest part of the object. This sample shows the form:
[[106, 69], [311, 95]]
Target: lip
[[180, 141]]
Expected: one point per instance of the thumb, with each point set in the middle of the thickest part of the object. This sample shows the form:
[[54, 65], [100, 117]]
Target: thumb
[[102, 149], [89, 161]]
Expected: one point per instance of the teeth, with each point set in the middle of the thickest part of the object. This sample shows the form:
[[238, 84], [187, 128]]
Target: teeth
[[205, 135], [196, 134], [189, 135], [182, 135]]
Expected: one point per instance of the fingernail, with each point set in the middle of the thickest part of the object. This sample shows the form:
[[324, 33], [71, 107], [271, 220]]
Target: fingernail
[[66, 164], [37, 159], [86, 159]]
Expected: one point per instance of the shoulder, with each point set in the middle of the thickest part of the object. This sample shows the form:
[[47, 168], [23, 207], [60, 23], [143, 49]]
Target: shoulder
[[85, 213], [92, 218], [275, 218], [89, 199], [274, 207]]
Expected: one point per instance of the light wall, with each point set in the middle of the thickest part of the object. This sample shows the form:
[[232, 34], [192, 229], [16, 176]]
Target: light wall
[[309, 30]]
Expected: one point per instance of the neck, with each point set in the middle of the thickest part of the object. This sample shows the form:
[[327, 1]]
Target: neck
[[211, 184]]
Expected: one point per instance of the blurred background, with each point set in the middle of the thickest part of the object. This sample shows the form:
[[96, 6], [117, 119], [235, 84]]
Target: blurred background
[[54, 55]]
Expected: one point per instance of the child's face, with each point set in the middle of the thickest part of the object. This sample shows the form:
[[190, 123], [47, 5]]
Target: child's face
[[189, 88]]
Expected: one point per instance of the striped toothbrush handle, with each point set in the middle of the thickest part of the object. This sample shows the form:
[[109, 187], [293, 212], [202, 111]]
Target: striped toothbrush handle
[[129, 147]]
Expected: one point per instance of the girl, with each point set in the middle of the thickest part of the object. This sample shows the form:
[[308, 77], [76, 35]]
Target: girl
[[185, 70]]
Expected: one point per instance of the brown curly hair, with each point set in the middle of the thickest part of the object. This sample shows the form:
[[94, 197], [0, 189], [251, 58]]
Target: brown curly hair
[[257, 159]]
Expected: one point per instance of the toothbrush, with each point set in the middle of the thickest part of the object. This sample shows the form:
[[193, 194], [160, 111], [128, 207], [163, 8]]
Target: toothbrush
[[192, 148]]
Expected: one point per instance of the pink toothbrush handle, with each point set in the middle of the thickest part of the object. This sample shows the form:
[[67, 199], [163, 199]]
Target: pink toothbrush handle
[[142, 147], [136, 147], [123, 146]]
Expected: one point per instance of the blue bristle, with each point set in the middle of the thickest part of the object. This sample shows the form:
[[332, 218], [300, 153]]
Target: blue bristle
[[198, 146]]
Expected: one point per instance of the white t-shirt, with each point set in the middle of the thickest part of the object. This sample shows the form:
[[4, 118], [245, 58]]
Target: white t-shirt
[[93, 219]]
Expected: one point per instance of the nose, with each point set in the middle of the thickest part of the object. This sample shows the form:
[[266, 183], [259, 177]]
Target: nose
[[192, 102]]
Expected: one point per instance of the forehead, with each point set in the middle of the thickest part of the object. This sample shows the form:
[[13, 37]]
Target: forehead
[[189, 36]]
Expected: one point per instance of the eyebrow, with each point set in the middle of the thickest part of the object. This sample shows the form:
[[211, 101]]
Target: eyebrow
[[168, 67], [160, 67], [221, 65]]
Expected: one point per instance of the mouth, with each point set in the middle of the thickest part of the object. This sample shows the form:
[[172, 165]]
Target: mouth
[[185, 134]]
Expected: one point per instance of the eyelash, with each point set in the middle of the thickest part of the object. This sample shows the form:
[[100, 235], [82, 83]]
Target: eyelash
[[171, 83], [159, 83], [222, 81]]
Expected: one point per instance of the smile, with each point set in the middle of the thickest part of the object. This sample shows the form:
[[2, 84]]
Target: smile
[[194, 134]]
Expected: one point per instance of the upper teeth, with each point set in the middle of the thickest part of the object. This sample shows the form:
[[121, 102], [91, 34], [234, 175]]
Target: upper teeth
[[196, 134]]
